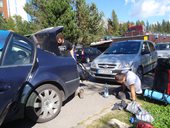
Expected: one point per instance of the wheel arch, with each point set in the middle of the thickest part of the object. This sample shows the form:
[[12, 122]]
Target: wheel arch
[[28, 89]]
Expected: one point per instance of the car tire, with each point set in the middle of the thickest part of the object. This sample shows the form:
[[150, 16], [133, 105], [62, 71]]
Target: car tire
[[139, 72], [44, 103]]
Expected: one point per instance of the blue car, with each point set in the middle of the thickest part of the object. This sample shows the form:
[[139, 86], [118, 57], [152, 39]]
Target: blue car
[[33, 82]]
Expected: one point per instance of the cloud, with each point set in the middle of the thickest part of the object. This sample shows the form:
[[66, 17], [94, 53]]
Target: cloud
[[144, 9]]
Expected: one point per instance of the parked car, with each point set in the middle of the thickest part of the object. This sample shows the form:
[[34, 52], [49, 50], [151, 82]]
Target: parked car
[[33, 82], [163, 50], [86, 54], [137, 55]]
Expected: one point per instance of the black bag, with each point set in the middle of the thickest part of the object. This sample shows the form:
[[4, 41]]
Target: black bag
[[162, 76], [83, 73]]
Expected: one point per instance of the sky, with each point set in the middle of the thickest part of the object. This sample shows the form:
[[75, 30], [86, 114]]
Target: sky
[[132, 10]]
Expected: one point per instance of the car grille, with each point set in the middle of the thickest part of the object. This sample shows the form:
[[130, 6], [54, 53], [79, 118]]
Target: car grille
[[104, 75], [106, 65]]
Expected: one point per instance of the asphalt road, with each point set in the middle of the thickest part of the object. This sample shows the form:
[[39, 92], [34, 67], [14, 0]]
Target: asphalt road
[[81, 111]]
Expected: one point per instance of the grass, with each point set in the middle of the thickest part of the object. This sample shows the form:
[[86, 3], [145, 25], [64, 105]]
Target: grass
[[161, 114]]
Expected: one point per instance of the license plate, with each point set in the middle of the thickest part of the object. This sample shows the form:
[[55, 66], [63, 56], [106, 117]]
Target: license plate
[[104, 71]]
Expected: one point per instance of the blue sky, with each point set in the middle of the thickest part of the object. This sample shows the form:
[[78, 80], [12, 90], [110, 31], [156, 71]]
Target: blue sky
[[133, 10]]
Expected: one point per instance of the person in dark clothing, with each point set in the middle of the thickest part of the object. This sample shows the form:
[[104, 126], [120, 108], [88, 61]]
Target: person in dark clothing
[[64, 46]]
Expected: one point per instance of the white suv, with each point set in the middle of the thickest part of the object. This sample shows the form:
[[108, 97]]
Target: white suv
[[138, 56]]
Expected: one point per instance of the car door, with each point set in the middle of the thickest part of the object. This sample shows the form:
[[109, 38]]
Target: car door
[[145, 53], [16, 63], [153, 56]]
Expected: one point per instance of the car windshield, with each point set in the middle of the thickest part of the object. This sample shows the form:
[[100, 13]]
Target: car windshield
[[163, 46], [128, 47], [3, 37]]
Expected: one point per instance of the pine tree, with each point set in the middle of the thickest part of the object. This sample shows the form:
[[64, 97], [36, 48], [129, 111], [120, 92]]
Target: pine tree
[[53, 13]]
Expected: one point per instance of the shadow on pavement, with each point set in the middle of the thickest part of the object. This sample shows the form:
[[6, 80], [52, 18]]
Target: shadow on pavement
[[23, 123]]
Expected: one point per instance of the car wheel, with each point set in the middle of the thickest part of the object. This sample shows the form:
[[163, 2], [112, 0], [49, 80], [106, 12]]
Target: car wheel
[[44, 103], [139, 72], [87, 59]]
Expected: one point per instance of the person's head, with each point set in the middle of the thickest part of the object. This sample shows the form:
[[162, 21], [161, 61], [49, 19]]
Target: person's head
[[120, 78], [60, 38]]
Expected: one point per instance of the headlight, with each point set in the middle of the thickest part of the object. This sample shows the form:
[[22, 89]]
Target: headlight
[[125, 65], [93, 65]]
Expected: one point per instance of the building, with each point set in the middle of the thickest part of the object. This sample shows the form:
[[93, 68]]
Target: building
[[13, 7], [3, 8], [133, 33]]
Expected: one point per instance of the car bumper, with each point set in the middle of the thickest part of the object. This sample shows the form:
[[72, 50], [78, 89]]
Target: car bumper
[[106, 73]]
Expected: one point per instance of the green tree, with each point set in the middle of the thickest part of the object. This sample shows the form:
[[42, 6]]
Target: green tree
[[123, 27], [89, 21], [113, 25], [53, 13], [2, 23]]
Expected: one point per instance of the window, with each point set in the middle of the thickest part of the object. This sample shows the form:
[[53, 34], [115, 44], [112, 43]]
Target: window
[[1, 3], [145, 48], [151, 46], [19, 52]]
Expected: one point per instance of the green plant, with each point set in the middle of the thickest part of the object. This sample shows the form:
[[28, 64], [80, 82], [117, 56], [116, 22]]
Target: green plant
[[160, 113]]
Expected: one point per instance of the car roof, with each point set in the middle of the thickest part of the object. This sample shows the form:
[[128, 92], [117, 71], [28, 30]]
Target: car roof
[[5, 32]]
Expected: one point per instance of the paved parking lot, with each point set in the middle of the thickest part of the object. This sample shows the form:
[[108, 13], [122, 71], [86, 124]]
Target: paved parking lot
[[81, 111]]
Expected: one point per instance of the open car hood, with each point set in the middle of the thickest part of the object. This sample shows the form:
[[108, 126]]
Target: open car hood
[[50, 30]]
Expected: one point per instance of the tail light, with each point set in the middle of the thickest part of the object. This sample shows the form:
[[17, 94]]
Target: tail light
[[82, 54]]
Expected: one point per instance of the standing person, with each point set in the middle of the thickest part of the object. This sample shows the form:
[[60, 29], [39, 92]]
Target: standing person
[[130, 81], [64, 46]]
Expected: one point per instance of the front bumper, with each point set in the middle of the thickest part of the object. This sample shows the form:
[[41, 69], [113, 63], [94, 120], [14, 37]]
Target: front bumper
[[105, 73]]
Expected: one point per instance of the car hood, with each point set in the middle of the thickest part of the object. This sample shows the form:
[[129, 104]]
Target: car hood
[[115, 58]]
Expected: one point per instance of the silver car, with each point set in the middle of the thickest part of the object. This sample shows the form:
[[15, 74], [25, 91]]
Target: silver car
[[163, 50], [138, 56]]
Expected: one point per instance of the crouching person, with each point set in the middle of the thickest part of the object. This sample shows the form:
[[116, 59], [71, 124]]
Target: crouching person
[[129, 82]]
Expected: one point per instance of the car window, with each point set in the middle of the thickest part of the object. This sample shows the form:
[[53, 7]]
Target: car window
[[151, 46], [19, 52], [3, 38], [163, 46], [145, 48], [127, 47], [88, 51]]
